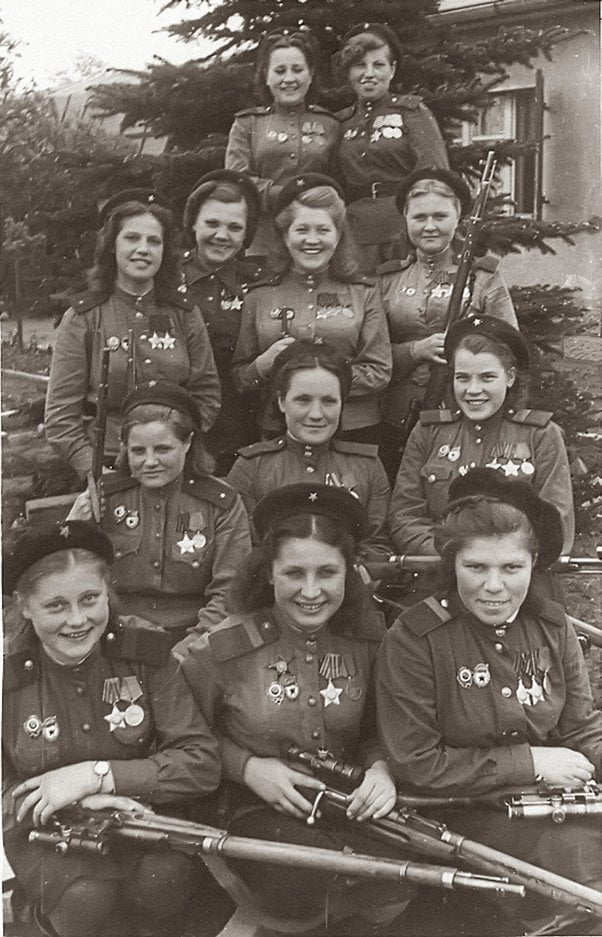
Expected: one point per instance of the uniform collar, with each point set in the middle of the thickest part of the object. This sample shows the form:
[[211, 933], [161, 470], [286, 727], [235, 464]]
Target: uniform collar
[[444, 258], [141, 302], [368, 107], [153, 494], [304, 451], [293, 111], [309, 280], [459, 610], [299, 637], [480, 427], [195, 270]]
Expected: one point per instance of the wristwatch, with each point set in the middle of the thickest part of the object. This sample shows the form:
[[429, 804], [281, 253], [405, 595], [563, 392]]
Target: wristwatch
[[101, 770]]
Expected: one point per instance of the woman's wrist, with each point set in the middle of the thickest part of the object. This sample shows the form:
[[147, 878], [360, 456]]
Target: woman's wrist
[[414, 354]]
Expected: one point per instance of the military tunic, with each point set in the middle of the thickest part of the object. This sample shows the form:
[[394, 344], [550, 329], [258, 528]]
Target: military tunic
[[177, 548], [265, 466], [415, 295], [171, 344], [219, 295], [169, 755], [382, 142], [525, 444], [348, 315]]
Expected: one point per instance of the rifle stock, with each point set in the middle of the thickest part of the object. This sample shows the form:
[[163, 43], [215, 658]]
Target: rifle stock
[[93, 478]]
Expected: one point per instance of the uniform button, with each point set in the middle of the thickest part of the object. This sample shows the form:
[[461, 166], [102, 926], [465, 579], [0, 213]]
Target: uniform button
[[513, 733], [157, 536], [312, 701], [147, 361], [139, 315], [157, 507], [28, 665], [477, 426], [506, 692], [478, 441], [315, 734], [310, 468], [210, 298], [443, 603], [432, 478], [110, 636], [499, 647], [118, 553], [309, 658], [195, 564], [86, 727], [310, 643], [80, 690], [500, 632], [143, 338], [157, 564]]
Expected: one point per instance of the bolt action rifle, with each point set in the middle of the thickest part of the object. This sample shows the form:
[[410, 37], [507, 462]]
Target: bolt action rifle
[[435, 389], [93, 478], [409, 830]]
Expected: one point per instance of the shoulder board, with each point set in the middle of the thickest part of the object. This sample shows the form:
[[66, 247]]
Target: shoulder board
[[371, 627], [393, 266], [346, 112], [251, 267], [489, 263], [530, 417], [136, 639], [428, 417], [209, 488], [112, 483], [176, 298], [551, 611], [241, 634], [407, 100], [259, 448], [362, 278], [270, 279], [318, 109], [21, 661], [260, 111], [88, 300], [426, 616], [364, 449]]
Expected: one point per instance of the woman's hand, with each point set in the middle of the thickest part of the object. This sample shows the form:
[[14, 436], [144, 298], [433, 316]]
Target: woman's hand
[[562, 766], [276, 783], [82, 508], [264, 362], [49, 792], [429, 348], [376, 795], [113, 802]]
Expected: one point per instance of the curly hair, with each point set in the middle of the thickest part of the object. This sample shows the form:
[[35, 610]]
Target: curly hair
[[197, 460], [356, 47], [102, 276], [303, 40], [251, 589], [344, 265]]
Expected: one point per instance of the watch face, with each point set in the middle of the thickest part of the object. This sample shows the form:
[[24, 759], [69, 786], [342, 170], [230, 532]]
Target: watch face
[[102, 768]]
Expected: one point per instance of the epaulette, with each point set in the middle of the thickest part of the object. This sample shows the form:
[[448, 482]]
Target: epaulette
[[241, 634], [88, 300], [394, 266], [426, 615], [530, 417], [362, 278], [252, 267], [318, 109], [370, 627], [21, 660], [553, 612], [489, 263], [429, 417], [346, 112], [259, 110], [407, 100], [259, 448], [365, 449], [270, 279], [133, 638], [209, 488], [114, 482]]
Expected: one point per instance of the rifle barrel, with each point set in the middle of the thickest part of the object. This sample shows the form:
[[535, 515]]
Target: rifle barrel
[[101, 415]]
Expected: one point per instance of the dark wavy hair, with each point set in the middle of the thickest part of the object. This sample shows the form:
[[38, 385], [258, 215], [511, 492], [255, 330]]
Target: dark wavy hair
[[344, 265], [197, 460], [356, 47], [279, 39], [477, 344], [251, 588], [103, 275]]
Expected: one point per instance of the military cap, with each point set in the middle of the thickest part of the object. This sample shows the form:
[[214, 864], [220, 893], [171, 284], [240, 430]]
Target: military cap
[[303, 183], [488, 484], [206, 185], [35, 542], [323, 355], [144, 196], [163, 394], [337, 503], [451, 179], [380, 30], [495, 329]]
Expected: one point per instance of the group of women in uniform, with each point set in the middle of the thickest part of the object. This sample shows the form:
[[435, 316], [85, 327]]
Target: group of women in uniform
[[208, 623]]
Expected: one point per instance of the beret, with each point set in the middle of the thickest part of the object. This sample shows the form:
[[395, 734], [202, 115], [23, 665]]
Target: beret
[[205, 186], [164, 394], [495, 329], [40, 540], [451, 179], [479, 483], [303, 351], [337, 503], [381, 30], [144, 196], [303, 183]]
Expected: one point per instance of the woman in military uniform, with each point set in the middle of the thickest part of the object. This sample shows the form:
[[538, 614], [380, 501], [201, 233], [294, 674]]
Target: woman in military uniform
[[483, 686], [319, 295], [133, 292], [220, 219], [286, 135], [179, 533], [95, 712], [293, 666], [486, 429], [312, 383], [384, 137], [416, 292]]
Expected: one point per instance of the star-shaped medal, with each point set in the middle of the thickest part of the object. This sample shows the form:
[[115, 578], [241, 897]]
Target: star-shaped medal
[[156, 341], [168, 341], [313, 496], [115, 718], [331, 694], [236, 303], [511, 468], [186, 544]]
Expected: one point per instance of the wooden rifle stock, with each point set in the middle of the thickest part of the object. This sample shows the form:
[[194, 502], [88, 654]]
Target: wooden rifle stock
[[94, 476]]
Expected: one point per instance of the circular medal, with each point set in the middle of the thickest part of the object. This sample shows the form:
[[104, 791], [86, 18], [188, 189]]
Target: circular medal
[[276, 692], [481, 675], [353, 692], [120, 512], [50, 729], [443, 452], [132, 520], [282, 137], [527, 468], [33, 726], [464, 677], [454, 454], [113, 343], [134, 715], [291, 691], [281, 666], [199, 540]]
